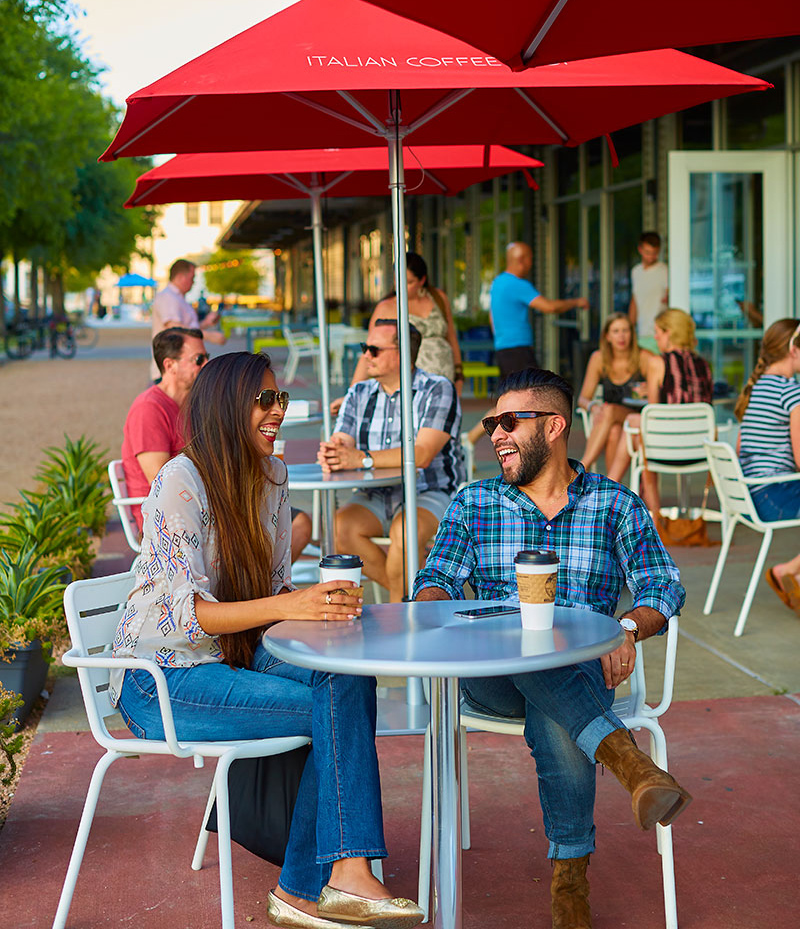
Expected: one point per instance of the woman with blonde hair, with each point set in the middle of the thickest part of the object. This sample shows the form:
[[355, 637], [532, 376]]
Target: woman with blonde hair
[[678, 375], [769, 440], [620, 367], [214, 573]]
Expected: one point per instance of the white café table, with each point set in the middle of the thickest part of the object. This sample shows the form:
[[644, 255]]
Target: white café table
[[426, 639], [311, 477]]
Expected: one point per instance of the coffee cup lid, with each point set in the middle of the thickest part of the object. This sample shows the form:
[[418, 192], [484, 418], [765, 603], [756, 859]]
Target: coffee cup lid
[[346, 562], [536, 556]]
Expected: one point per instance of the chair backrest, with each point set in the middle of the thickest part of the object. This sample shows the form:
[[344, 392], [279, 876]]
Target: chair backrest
[[124, 503], [93, 609], [726, 473], [298, 340], [677, 431]]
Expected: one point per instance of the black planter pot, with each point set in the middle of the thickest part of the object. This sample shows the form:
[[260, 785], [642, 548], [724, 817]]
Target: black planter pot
[[24, 671]]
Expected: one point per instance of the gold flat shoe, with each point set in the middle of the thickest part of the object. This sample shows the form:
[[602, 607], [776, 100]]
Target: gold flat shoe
[[281, 913], [396, 913]]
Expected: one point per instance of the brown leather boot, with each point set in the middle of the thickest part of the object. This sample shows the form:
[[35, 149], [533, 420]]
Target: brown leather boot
[[569, 894], [656, 796]]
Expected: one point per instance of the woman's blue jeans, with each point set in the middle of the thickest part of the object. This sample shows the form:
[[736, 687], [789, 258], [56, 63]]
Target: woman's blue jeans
[[567, 715], [338, 811]]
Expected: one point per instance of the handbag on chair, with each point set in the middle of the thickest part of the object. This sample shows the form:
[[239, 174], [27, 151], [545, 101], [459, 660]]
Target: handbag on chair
[[262, 797]]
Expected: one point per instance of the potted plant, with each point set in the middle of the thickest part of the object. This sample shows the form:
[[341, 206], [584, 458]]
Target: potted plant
[[75, 477], [31, 617]]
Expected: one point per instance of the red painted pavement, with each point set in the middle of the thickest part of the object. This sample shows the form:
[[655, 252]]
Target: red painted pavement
[[736, 847]]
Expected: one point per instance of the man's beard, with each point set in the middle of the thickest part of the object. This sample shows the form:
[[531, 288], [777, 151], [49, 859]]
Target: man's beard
[[533, 456]]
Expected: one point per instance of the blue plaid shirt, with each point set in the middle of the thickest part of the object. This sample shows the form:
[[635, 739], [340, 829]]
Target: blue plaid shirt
[[373, 418], [604, 538]]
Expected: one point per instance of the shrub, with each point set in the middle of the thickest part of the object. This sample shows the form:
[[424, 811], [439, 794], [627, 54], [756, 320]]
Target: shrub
[[30, 600], [75, 476]]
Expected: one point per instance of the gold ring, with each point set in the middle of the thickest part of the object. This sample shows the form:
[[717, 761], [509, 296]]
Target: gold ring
[[624, 664], [328, 598]]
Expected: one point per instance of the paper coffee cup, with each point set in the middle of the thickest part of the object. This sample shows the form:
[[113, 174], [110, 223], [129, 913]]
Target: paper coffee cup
[[279, 448], [537, 576], [340, 568]]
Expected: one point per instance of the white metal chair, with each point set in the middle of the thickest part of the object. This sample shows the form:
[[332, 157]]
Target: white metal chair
[[733, 490], [123, 503], [631, 709], [469, 456], [94, 608], [672, 435], [300, 346]]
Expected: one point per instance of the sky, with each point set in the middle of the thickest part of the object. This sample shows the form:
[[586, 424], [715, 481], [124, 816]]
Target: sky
[[143, 40]]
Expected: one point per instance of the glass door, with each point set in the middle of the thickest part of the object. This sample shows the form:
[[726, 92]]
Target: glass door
[[730, 240]]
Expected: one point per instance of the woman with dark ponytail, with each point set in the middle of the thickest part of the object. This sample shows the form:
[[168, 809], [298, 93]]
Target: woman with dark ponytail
[[214, 573], [769, 440]]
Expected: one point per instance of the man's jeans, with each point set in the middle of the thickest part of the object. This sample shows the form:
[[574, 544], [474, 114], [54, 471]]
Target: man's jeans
[[567, 715], [338, 810]]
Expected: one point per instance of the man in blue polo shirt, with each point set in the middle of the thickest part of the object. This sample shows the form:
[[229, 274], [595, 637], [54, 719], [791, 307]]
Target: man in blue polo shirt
[[512, 298]]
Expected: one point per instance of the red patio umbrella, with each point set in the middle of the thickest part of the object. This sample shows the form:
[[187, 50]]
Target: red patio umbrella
[[310, 174], [349, 74], [536, 32]]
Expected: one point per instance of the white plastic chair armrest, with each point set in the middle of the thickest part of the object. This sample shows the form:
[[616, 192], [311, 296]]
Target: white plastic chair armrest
[[128, 501], [669, 673], [630, 432], [779, 479], [74, 660]]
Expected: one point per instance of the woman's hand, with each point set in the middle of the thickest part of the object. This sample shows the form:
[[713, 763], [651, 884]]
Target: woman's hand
[[319, 603]]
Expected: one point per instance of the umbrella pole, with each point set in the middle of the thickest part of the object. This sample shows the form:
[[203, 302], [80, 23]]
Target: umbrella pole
[[397, 185], [328, 500], [414, 692]]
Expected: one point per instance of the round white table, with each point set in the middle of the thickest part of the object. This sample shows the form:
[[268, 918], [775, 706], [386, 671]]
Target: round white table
[[426, 639], [311, 477]]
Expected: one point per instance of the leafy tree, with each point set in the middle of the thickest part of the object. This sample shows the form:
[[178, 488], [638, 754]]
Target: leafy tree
[[229, 272]]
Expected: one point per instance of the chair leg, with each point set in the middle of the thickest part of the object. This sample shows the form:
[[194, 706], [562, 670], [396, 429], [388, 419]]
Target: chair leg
[[664, 835], [727, 537], [290, 370], [84, 827], [425, 830], [758, 570], [224, 841], [202, 838], [636, 476], [464, 785]]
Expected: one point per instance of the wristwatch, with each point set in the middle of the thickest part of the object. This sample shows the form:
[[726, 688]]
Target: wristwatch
[[630, 625], [367, 462]]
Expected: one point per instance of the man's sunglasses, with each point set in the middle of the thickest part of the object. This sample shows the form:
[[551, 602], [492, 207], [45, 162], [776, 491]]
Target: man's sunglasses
[[201, 359], [375, 350], [266, 399], [508, 421]]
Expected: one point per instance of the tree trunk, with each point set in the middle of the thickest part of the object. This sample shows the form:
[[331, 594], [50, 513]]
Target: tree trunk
[[58, 293], [35, 311], [17, 307]]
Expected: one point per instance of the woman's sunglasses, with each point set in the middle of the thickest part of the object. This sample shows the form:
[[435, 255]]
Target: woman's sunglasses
[[266, 399], [375, 350], [508, 421]]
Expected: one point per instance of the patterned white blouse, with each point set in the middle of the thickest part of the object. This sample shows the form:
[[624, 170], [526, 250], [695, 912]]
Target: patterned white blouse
[[179, 561]]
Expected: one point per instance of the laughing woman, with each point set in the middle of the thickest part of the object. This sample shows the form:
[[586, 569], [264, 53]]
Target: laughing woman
[[214, 573]]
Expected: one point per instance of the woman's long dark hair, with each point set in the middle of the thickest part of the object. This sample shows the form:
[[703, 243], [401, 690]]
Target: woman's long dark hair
[[218, 418]]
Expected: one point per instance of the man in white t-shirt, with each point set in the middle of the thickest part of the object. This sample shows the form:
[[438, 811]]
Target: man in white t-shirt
[[171, 308], [649, 293]]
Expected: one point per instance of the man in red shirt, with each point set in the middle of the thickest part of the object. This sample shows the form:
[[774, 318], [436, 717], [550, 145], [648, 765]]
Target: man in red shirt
[[153, 431]]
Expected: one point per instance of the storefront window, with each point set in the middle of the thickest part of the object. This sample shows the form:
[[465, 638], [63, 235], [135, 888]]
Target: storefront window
[[758, 120], [697, 128], [628, 146], [627, 205], [568, 171], [594, 163]]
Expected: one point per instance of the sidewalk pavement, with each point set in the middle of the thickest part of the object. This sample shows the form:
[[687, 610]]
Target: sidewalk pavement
[[734, 740]]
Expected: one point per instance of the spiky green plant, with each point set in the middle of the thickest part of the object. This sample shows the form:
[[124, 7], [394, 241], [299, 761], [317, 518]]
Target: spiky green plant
[[75, 476], [30, 600], [55, 532]]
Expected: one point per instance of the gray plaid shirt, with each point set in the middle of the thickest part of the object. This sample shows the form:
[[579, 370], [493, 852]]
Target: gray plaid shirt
[[373, 418]]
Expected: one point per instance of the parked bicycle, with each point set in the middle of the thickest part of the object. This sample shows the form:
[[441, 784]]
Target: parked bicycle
[[23, 336], [86, 336]]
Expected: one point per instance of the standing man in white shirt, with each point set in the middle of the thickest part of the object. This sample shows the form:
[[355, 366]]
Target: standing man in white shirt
[[649, 290], [171, 308]]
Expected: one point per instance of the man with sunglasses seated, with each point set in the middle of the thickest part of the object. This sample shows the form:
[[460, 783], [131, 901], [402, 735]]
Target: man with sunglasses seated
[[153, 430], [367, 435], [605, 539]]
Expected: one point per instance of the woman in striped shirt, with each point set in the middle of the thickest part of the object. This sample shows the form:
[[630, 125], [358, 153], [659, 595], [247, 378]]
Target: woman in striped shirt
[[769, 440]]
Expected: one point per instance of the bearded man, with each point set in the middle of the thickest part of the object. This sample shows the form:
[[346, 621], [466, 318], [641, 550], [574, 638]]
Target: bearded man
[[605, 538]]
